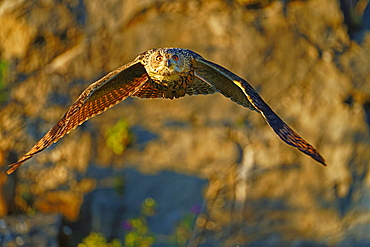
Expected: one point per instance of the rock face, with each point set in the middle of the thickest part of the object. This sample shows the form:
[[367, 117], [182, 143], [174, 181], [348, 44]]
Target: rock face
[[21, 230], [298, 55]]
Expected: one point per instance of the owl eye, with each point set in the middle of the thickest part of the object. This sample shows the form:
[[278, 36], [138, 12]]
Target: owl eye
[[175, 58], [159, 58]]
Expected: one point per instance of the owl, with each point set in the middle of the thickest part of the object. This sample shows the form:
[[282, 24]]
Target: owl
[[165, 73]]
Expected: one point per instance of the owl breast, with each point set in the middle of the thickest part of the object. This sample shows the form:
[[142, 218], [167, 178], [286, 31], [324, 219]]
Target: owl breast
[[173, 85]]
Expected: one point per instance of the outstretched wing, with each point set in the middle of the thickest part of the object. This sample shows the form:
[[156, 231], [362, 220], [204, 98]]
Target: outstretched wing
[[240, 91], [98, 97]]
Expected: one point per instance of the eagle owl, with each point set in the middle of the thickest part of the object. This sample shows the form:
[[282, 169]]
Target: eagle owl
[[165, 73]]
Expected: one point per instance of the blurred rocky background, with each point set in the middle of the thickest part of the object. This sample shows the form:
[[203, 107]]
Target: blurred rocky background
[[196, 171]]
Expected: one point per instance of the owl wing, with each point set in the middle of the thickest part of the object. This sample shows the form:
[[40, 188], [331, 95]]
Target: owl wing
[[241, 92], [98, 97]]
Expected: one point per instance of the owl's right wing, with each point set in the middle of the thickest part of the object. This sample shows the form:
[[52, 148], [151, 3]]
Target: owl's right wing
[[98, 97], [241, 92]]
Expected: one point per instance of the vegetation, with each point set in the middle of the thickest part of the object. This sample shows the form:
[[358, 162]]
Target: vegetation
[[118, 137], [97, 240], [3, 69], [138, 233]]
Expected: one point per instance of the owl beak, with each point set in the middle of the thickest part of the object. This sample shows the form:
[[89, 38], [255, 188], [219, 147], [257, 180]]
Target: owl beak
[[168, 63]]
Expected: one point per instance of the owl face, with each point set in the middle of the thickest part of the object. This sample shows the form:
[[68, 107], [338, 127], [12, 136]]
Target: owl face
[[167, 63]]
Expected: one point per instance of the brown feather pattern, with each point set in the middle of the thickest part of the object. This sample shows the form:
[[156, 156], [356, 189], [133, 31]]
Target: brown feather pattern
[[98, 97], [274, 121], [193, 75]]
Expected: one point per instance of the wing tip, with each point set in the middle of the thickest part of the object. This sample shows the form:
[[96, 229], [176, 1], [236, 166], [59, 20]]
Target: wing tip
[[321, 160], [14, 166], [313, 154]]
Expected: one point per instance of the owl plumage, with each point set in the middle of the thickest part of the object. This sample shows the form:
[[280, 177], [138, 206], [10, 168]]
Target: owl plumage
[[165, 73]]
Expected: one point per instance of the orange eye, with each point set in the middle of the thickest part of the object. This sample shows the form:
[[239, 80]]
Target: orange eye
[[159, 58], [175, 58]]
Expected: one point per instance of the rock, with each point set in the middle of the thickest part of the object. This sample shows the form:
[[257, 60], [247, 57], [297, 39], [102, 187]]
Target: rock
[[22, 230]]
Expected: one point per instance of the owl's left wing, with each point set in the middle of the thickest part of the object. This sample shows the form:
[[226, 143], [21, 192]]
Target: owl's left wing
[[98, 97], [240, 91]]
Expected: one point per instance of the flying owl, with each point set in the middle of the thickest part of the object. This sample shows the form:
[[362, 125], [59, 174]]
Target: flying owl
[[165, 73]]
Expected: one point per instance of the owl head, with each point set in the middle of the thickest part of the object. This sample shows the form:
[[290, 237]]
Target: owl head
[[167, 63]]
